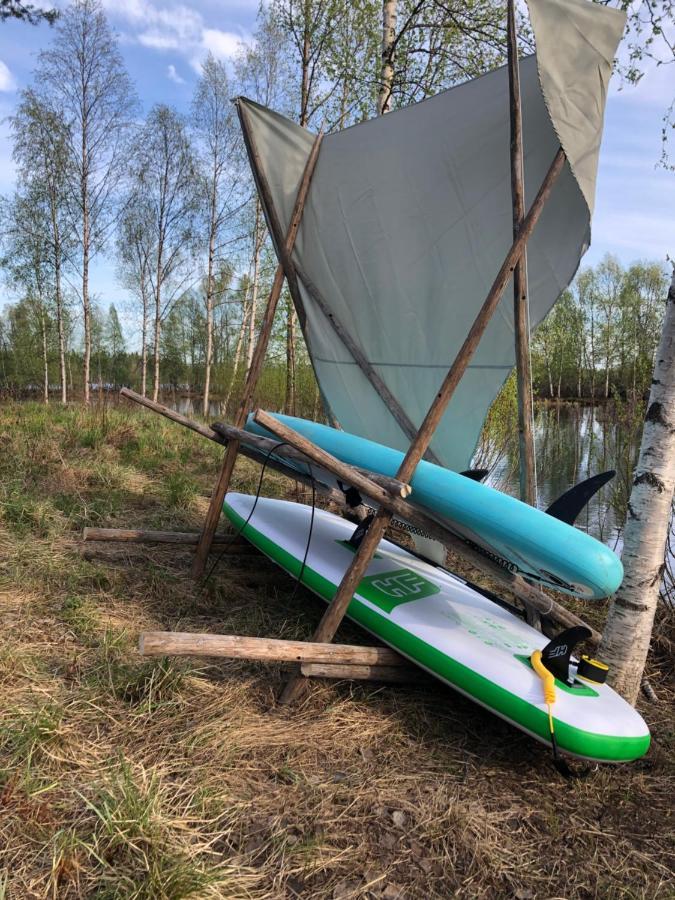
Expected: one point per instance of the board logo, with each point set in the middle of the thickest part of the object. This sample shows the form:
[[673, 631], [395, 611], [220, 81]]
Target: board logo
[[389, 589]]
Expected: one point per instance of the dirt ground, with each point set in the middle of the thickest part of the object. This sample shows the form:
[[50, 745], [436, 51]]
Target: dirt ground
[[123, 777]]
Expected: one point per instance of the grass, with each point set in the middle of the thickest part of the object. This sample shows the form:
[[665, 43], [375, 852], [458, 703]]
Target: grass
[[122, 777]]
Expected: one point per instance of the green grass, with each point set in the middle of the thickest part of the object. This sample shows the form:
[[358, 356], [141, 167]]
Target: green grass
[[126, 777]]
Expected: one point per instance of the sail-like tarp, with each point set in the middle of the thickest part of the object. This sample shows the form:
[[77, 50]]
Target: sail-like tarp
[[409, 217]]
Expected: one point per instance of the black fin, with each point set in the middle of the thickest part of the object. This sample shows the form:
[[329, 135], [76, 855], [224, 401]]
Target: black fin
[[475, 474], [556, 654], [568, 505], [359, 534]]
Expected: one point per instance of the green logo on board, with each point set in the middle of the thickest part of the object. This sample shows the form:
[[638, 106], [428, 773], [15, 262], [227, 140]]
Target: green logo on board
[[390, 589]]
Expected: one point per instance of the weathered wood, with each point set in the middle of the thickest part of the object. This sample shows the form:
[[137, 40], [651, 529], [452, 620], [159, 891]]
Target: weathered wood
[[528, 594], [395, 674], [136, 536], [178, 643], [520, 304], [359, 357], [222, 484], [356, 477], [267, 446]]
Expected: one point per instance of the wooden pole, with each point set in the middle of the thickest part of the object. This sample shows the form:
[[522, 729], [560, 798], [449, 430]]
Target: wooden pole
[[520, 305], [180, 643], [395, 674], [529, 595], [220, 489], [267, 446], [135, 536], [361, 560]]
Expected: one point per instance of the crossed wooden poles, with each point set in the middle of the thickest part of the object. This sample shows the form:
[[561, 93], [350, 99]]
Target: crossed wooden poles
[[390, 494]]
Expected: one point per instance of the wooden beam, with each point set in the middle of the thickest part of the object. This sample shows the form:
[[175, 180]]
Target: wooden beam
[[395, 674], [528, 594], [360, 359], [377, 488], [520, 304], [222, 484], [361, 560], [180, 643], [136, 536]]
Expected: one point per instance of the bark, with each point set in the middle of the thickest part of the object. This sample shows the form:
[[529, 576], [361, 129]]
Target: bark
[[625, 642], [289, 404], [158, 314], [45, 356], [257, 250], [86, 309], [144, 341], [213, 225], [389, 16]]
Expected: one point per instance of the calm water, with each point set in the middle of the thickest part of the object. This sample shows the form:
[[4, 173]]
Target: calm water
[[573, 442]]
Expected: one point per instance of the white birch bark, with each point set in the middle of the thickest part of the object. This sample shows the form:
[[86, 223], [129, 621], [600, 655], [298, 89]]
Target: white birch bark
[[626, 638], [389, 17]]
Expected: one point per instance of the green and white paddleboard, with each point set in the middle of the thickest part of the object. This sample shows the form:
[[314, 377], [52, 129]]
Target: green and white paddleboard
[[445, 626]]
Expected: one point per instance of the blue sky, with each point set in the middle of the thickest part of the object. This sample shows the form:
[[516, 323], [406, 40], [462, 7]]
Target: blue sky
[[164, 42]]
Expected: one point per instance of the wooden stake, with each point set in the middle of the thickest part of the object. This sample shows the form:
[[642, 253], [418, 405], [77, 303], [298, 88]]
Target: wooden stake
[[520, 306], [361, 560], [218, 495], [228, 646], [133, 535]]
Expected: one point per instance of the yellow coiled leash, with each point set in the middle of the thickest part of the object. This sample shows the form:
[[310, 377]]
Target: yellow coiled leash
[[548, 683]]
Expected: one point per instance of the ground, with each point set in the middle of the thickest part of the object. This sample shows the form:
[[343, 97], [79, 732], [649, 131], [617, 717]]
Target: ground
[[123, 777]]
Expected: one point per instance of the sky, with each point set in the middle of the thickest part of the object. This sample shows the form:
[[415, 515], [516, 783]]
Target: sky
[[164, 42]]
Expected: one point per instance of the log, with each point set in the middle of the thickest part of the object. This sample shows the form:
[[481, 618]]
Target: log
[[359, 479], [520, 306], [177, 643], [159, 537], [268, 446], [253, 375], [396, 674]]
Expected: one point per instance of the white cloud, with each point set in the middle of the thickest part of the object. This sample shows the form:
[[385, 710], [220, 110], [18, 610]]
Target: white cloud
[[7, 82], [223, 44], [173, 75]]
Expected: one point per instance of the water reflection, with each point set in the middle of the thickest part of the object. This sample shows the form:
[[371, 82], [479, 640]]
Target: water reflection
[[574, 442]]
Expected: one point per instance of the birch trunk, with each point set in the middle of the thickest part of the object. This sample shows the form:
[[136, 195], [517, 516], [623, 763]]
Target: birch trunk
[[626, 638], [45, 356], [144, 342], [158, 312], [257, 250], [389, 16], [213, 225], [237, 354], [289, 404]]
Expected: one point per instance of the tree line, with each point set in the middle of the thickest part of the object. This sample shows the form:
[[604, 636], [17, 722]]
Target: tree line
[[170, 198]]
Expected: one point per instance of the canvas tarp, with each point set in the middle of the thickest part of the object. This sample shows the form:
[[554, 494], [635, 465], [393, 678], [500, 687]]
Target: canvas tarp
[[409, 217]]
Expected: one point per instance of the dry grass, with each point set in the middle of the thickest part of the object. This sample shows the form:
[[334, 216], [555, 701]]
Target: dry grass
[[127, 778]]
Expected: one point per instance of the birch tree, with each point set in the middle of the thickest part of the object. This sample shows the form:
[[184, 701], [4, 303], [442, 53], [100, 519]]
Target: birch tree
[[83, 79], [627, 634], [41, 152], [164, 174], [218, 136], [135, 241]]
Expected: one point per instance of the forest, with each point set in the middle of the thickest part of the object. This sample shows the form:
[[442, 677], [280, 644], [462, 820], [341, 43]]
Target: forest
[[170, 200]]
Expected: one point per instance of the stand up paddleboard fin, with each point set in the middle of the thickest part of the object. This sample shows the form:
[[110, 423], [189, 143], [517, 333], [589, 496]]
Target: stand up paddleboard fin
[[568, 505], [475, 474], [557, 653], [359, 533]]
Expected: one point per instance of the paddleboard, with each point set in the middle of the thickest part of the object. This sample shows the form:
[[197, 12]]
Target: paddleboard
[[446, 627], [527, 540]]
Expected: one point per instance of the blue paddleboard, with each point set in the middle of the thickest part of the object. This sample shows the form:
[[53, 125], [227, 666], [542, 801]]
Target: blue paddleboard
[[539, 546]]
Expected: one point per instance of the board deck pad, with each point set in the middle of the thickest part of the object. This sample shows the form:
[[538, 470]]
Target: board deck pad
[[444, 625], [529, 540]]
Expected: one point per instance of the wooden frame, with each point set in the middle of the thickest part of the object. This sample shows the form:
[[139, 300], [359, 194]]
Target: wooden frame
[[390, 494]]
